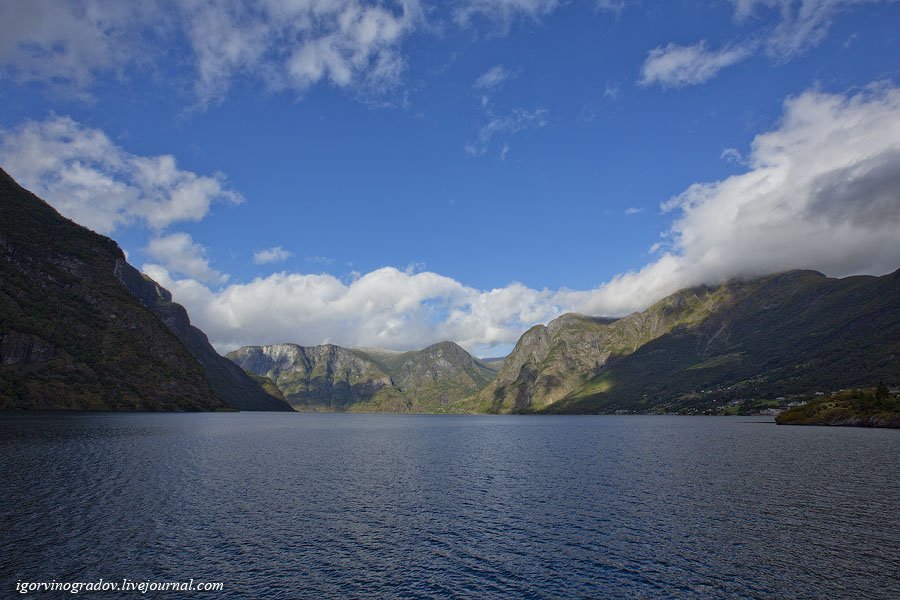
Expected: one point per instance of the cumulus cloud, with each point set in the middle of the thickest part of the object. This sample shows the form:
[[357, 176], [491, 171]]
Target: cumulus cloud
[[90, 179], [271, 255], [819, 191], [676, 66], [178, 253]]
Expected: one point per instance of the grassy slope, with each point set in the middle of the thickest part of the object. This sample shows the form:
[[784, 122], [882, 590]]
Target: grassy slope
[[551, 363], [788, 333]]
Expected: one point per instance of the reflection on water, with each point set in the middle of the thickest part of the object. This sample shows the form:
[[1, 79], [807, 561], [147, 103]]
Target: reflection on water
[[430, 506]]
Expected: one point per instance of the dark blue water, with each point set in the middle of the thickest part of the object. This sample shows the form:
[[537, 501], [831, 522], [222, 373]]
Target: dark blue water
[[301, 505]]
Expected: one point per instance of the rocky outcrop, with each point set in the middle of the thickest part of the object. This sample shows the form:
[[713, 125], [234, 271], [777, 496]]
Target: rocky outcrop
[[24, 349], [323, 377]]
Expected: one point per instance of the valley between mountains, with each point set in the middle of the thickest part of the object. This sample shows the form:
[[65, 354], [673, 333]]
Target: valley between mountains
[[793, 333], [80, 328]]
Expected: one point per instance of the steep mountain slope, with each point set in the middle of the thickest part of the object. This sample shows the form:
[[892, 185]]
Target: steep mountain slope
[[228, 381], [549, 362], [435, 377], [786, 333], [82, 329], [333, 378], [323, 377], [789, 333]]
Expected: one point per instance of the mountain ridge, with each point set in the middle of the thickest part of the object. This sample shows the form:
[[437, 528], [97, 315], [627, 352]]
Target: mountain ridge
[[740, 339], [330, 377]]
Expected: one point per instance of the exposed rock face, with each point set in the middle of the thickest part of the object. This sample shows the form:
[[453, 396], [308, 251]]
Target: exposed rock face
[[784, 333], [23, 349], [333, 378], [315, 378], [73, 336]]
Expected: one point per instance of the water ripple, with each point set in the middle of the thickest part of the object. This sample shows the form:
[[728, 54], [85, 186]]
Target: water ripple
[[287, 506]]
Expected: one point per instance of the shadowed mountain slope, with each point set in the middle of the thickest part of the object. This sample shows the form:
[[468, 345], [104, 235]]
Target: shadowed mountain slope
[[80, 328]]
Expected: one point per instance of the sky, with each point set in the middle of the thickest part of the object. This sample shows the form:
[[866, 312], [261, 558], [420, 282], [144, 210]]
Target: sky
[[402, 172]]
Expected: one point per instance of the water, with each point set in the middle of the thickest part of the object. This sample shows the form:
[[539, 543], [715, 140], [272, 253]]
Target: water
[[307, 505]]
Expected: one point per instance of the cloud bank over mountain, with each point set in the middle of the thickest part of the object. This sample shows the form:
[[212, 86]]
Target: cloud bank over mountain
[[820, 191]]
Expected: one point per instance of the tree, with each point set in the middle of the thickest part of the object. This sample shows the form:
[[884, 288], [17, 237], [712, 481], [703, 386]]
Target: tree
[[881, 392]]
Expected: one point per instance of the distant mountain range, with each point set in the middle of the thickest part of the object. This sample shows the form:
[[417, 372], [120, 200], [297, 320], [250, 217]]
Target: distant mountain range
[[80, 328], [333, 378]]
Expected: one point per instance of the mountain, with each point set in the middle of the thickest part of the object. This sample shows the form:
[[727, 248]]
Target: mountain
[[333, 378], [326, 377], [786, 333], [436, 377], [80, 328]]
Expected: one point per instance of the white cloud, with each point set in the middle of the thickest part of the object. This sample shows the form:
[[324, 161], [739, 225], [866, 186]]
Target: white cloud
[[633, 210], [91, 180], [271, 255], [677, 66], [493, 78], [178, 253], [799, 25], [283, 44], [820, 191], [68, 41], [386, 307]]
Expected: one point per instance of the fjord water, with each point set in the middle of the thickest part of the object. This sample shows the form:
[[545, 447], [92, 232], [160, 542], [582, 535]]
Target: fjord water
[[312, 505]]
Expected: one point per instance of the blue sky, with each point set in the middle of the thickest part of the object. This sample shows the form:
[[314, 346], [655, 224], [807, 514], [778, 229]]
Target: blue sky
[[396, 173]]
